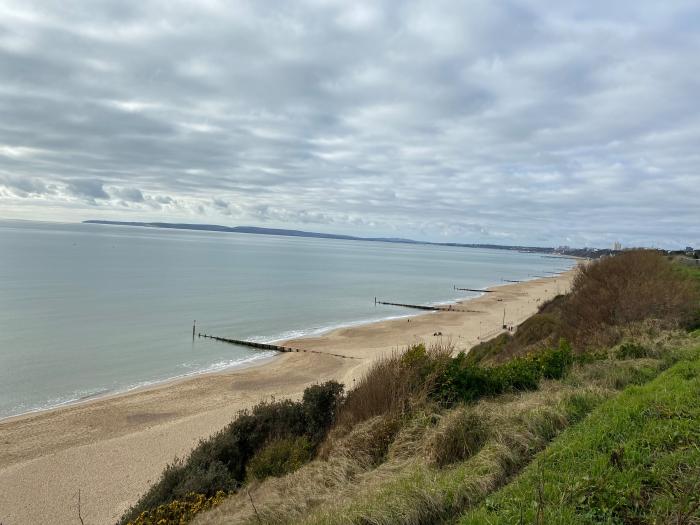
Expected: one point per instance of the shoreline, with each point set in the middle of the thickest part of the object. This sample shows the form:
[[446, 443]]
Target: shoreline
[[251, 362], [246, 364], [165, 383], [113, 447]]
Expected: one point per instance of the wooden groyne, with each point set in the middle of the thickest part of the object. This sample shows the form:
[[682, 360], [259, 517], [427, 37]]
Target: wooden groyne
[[268, 346], [415, 306], [474, 290], [425, 307]]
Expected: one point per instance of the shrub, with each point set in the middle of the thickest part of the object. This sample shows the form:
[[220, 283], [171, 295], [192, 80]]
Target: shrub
[[631, 351], [591, 356], [556, 362], [280, 457], [180, 510], [321, 404], [629, 287], [522, 373], [462, 380], [219, 463]]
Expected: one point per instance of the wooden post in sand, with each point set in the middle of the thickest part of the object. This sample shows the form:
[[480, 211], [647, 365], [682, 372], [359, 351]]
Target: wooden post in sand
[[504, 318]]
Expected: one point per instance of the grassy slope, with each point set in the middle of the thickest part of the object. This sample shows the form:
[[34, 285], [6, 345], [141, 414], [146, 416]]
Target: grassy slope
[[635, 459], [409, 484]]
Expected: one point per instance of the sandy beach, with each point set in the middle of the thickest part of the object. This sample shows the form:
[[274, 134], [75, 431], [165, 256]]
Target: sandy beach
[[111, 449]]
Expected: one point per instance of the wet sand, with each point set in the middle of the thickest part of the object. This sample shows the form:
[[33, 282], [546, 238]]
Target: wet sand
[[112, 449]]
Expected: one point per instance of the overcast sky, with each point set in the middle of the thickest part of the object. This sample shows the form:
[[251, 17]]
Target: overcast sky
[[528, 122]]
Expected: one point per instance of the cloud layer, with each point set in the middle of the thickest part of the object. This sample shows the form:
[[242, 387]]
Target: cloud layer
[[514, 122]]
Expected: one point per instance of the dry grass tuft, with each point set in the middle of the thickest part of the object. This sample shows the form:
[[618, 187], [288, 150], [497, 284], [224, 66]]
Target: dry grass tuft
[[395, 384], [460, 435]]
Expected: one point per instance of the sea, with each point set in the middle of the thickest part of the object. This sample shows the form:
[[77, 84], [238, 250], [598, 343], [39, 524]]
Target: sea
[[88, 310]]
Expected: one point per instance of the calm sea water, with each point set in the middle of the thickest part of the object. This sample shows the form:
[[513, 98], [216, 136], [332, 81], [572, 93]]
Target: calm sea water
[[87, 310]]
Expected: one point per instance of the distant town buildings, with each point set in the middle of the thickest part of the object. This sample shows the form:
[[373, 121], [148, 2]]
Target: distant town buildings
[[617, 246], [689, 255]]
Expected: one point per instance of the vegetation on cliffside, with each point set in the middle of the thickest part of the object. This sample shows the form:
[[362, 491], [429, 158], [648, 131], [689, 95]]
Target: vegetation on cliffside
[[429, 436]]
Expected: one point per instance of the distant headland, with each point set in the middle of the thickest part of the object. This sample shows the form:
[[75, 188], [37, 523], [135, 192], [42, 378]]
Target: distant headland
[[562, 251]]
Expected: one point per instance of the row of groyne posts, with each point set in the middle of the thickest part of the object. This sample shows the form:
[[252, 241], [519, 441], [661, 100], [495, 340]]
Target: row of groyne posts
[[287, 349], [264, 346]]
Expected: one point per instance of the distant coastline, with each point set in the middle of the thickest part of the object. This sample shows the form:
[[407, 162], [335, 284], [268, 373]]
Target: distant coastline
[[561, 252]]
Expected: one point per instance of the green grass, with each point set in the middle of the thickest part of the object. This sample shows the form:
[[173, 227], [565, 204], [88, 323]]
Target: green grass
[[690, 271], [635, 459]]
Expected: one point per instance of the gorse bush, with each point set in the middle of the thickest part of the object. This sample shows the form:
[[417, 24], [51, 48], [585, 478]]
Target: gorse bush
[[462, 380], [180, 510], [220, 463]]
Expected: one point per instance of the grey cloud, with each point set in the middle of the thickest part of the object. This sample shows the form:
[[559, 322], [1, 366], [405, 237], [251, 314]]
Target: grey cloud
[[23, 186], [128, 194], [164, 199], [224, 207], [516, 121], [88, 188]]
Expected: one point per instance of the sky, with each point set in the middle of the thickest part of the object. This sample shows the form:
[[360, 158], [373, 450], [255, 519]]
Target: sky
[[509, 122]]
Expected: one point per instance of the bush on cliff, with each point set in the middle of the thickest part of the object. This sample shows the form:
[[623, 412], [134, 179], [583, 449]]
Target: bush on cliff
[[463, 380], [220, 462], [628, 288]]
